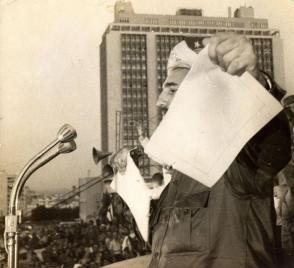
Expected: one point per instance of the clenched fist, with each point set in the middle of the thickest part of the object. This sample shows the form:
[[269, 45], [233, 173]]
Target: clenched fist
[[233, 53], [118, 160]]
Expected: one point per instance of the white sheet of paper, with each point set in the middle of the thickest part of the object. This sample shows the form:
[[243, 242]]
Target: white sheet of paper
[[134, 191], [211, 118]]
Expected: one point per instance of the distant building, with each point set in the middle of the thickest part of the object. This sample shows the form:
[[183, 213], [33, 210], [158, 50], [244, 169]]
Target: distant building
[[189, 12], [6, 184], [244, 12], [3, 194], [26, 199], [133, 57], [91, 191]]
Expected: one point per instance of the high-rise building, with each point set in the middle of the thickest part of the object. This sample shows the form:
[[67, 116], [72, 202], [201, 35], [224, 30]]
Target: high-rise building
[[133, 57]]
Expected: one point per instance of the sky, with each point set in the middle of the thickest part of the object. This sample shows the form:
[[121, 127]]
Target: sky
[[49, 75]]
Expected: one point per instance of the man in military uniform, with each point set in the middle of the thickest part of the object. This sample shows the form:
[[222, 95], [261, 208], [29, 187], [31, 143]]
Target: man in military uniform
[[231, 224]]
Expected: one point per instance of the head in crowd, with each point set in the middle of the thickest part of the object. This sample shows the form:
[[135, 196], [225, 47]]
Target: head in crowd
[[157, 180]]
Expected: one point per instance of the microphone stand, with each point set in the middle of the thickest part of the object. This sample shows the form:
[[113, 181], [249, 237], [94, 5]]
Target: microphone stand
[[13, 218], [66, 133]]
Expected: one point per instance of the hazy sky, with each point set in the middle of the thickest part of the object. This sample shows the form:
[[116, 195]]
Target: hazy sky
[[49, 60]]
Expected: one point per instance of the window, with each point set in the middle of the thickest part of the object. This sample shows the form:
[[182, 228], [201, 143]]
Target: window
[[136, 28], [115, 28], [155, 29], [125, 28], [146, 29], [165, 29]]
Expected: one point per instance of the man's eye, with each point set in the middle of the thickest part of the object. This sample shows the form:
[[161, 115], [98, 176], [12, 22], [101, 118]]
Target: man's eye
[[172, 90]]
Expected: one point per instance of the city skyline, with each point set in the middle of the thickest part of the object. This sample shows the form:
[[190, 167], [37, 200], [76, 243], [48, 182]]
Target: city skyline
[[53, 56]]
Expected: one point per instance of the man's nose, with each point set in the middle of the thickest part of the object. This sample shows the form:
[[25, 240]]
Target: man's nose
[[162, 101]]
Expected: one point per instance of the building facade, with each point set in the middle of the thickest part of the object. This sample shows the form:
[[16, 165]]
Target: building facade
[[6, 184], [91, 192], [133, 57]]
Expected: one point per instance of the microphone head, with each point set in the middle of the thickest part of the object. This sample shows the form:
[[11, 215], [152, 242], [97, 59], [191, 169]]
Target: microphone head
[[66, 133], [68, 147]]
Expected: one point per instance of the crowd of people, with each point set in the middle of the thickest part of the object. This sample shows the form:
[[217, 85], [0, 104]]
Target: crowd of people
[[89, 244]]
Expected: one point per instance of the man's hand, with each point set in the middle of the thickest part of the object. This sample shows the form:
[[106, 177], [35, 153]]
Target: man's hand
[[233, 53], [119, 160], [140, 130]]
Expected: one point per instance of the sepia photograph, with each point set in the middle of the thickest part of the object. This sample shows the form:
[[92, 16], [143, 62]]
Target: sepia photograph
[[146, 134]]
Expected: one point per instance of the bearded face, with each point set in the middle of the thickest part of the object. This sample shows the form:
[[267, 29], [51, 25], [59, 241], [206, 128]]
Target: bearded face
[[170, 87]]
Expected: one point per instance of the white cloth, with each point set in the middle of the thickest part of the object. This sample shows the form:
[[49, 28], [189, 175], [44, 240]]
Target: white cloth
[[133, 189], [181, 56], [212, 116], [144, 141]]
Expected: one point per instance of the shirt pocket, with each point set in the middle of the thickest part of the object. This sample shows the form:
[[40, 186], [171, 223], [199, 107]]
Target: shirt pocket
[[188, 226]]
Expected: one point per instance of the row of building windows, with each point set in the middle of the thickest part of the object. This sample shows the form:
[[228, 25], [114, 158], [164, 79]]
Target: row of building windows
[[124, 19], [205, 22], [128, 48], [130, 126], [133, 92], [134, 71], [134, 56], [188, 30], [135, 61], [131, 112], [151, 21], [134, 67], [133, 37], [200, 22], [134, 43], [138, 47], [131, 99], [130, 85], [136, 83], [134, 103]]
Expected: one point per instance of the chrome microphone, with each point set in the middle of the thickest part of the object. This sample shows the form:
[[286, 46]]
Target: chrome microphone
[[64, 140], [62, 148]]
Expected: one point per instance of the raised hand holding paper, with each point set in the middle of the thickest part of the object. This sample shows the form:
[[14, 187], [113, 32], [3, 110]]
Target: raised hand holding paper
[[212, 116]]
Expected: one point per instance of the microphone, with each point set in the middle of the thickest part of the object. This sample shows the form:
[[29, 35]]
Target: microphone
[[64, 140], [63, 148], [66, 133]]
